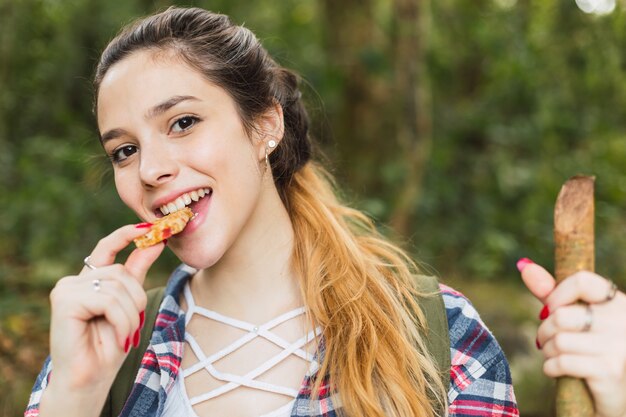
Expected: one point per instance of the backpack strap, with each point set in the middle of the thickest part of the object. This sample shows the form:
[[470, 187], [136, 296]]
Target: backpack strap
[[123, 384], [437, 336]]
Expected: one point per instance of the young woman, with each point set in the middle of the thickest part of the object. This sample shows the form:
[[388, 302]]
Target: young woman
[[583, 340], [288, 303]]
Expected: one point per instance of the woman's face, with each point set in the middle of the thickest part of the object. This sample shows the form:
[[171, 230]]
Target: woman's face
[[172, 136]]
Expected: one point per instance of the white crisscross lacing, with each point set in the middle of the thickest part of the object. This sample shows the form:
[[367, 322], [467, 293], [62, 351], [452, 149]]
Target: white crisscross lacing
[[232, 381]]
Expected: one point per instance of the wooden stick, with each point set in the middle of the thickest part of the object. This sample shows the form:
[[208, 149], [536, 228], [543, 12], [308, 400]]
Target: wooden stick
[[574, 251]]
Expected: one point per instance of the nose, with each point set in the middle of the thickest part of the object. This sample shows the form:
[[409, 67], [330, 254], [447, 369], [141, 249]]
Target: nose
[[157, 165]]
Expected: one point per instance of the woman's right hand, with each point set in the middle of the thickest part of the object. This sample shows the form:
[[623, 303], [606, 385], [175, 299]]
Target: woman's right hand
[[92, 328]]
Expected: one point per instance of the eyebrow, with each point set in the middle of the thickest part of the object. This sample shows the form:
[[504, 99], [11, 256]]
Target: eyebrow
[[111, 134], [153, 112], [168, 104]]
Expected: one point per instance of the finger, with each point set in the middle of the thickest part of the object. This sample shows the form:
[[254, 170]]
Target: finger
[[109, 246], [116, 310], [576, 343], [132, 287], [578, 366], [140, 261], [105, 335], [116, 276], [582, 286], [131, 307], [538, 280], [570, 318], [110, 299]]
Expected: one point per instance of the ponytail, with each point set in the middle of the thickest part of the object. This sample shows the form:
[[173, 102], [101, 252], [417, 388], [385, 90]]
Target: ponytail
[[359, 288]]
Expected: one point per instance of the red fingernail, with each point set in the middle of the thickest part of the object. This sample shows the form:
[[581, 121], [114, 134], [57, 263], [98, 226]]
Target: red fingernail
[[143, 225], [136, 338], [537, 344], [127, 345], [523, 263], [544, 313], [142, 319]]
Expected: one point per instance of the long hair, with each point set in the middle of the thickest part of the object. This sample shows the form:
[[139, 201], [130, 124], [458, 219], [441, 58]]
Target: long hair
[[357, 286]]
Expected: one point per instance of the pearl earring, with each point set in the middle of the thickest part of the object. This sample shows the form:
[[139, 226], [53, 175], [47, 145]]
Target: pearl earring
[[271, 144]]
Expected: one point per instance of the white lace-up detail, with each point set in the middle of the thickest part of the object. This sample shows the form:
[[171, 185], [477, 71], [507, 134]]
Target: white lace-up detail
[[232, 381]]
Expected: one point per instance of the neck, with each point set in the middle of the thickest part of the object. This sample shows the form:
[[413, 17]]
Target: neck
[[255, 278]]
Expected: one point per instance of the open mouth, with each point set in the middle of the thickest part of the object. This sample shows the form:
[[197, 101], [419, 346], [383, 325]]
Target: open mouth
[[185, 200]]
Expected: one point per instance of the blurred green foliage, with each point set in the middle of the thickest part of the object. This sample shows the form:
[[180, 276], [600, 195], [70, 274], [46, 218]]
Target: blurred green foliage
[[524, 94]]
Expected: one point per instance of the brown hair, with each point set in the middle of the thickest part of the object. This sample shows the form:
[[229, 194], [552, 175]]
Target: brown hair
[[356, 285], [231, 57]]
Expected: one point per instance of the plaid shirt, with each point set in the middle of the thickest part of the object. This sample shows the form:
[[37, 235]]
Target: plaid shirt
[[480, 380]]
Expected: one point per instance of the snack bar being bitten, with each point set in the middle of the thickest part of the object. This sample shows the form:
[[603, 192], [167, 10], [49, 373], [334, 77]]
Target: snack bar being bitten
[[165, 227]]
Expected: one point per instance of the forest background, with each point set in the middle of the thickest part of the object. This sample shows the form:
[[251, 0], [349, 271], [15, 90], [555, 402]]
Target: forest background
[[454, 122]]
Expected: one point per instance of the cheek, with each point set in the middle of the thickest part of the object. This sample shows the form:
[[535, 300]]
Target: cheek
[[231, 160], [126, 190]]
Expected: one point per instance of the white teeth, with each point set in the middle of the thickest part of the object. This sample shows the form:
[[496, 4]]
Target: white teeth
[[184, 200]]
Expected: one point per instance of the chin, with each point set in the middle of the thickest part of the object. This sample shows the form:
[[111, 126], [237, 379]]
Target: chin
[[198, 259]]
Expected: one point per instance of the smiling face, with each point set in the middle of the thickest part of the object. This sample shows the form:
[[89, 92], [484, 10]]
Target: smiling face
[[176, 139]]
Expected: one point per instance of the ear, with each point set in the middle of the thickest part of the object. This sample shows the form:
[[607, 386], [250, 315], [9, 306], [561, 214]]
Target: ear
[[270, 126]]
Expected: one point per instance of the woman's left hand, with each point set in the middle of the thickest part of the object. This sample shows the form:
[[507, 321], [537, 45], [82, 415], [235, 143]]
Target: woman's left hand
[[587, 342]]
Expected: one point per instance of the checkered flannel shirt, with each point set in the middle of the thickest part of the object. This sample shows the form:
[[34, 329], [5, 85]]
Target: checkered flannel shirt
[[480, 380]]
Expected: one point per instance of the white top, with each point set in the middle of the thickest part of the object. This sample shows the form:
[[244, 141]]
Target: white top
[[178, 404]]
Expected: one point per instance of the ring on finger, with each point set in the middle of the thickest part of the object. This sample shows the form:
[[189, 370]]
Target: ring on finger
[[96, 285], [588, 319], [87, 262]]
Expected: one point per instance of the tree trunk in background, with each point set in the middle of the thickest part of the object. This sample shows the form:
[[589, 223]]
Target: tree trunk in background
[[350, 36], [414, 114]]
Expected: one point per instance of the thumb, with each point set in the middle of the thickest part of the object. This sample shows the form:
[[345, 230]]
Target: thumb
[[539, 281], [140, 261]]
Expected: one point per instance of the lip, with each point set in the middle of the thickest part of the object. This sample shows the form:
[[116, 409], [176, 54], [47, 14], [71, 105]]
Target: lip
[[172, 196], [200, 210]]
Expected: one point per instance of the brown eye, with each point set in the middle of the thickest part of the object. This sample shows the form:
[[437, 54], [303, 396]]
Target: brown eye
[[183, 124], [121, 154]]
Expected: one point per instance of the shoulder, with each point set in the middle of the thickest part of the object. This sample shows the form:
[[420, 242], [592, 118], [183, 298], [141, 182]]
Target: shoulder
[[469, 336], [479, 373]]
